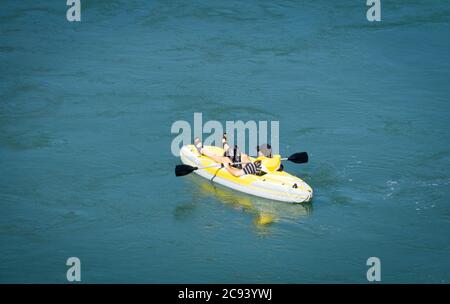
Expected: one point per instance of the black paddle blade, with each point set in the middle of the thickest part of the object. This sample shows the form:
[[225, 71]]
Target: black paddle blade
[[181, 170], [299, 158]]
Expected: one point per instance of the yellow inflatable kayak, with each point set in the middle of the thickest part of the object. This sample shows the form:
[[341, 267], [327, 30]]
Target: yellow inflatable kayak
[[276, 185]]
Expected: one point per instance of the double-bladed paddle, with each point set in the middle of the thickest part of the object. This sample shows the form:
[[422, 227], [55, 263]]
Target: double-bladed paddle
[[181, 170]]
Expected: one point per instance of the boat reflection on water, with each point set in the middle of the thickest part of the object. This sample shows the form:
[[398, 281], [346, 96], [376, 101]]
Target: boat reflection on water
[[265, 211]]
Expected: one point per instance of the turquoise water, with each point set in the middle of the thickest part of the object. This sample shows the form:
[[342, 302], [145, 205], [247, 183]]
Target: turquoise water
[[85, 116]]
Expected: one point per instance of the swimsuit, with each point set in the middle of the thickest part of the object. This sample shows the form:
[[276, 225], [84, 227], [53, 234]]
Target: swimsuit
[[252, 168]]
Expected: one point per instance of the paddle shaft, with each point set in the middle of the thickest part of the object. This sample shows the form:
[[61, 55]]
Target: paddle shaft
[[238, 163], [231, 164], [293, 158], [219, 165]]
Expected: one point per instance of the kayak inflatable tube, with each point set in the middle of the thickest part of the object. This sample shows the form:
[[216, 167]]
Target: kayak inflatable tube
[[278, 186]]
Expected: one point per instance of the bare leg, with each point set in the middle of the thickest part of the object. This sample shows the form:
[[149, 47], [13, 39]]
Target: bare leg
[[223, 160], [225, 145], [216, 158]]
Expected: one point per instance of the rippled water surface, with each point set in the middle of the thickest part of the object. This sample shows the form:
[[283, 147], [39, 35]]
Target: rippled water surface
[[85, 116]]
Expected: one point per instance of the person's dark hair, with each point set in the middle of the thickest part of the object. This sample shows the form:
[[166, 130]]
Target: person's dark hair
[[265, 149]]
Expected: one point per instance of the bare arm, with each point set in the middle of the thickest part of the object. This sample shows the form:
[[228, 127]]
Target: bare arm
[[245, 159], [234, 171]]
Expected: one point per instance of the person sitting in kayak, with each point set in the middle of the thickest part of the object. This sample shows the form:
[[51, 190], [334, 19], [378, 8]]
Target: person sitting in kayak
[[269, 162], [231, 156]]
